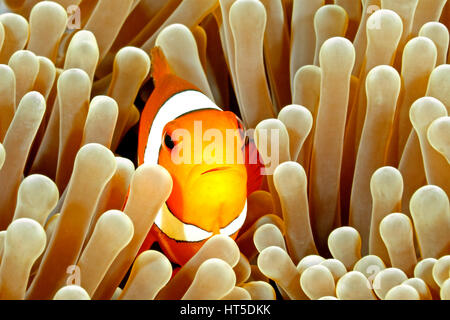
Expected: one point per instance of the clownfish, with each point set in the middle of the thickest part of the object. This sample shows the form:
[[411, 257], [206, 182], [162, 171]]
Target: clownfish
[[209, 194]]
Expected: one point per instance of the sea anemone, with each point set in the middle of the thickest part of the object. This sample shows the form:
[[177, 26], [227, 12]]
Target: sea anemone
[[355, 206]]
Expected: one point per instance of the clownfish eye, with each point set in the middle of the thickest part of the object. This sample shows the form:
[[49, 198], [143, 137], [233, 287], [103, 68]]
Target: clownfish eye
[[168, 141]]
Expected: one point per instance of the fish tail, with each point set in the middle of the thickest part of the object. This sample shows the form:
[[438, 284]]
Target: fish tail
[[160, 66]]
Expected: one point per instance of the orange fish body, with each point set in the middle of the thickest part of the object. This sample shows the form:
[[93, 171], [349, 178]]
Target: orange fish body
[[205, 151]]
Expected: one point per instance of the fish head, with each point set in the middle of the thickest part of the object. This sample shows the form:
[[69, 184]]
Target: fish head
[[204, 153]]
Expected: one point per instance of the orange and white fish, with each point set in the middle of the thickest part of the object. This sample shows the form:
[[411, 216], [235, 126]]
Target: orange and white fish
[[209, 194]]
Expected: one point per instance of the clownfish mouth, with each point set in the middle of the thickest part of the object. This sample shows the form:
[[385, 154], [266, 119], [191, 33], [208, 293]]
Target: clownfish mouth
[[215, 169]]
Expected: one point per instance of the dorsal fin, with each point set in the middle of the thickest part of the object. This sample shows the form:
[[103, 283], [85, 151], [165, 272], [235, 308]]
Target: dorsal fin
[[160, 66]]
